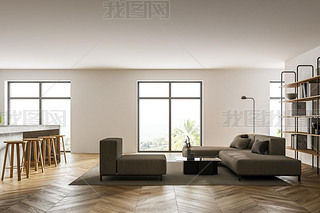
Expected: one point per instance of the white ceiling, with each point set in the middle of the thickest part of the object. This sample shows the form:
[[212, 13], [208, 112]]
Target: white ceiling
[[199, 34]]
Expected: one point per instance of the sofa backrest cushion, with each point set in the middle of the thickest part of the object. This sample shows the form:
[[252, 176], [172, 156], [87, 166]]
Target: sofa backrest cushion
[[110, 151], [277, 146], [260, 147], [240, 143]]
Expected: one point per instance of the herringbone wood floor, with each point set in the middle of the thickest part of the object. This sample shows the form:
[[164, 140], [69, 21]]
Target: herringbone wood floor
[[50, 192]]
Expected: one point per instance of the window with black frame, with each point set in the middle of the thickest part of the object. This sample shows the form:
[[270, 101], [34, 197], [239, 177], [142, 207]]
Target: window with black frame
[[168, 113], [40, 103]]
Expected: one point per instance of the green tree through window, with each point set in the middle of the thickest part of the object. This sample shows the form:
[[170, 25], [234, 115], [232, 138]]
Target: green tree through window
[[190, 129]]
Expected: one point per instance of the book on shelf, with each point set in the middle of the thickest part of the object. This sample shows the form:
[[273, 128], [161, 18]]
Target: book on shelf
[[312, 89], [301, 93], [307, 90], [298, 108], [300, 142]]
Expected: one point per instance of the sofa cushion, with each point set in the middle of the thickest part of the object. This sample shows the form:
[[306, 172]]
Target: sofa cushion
[[243, 162], [240, 143], [260, 147], [205, 151], [142, 165]]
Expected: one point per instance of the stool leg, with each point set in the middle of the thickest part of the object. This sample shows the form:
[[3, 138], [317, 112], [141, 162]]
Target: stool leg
[[12, 159], [35, 155], [29, 158], [4, 162], [40, 154], [44, 152], [49, 151], [57, 143], [64, 151], [18, 162], [24, 163], [54, 153]]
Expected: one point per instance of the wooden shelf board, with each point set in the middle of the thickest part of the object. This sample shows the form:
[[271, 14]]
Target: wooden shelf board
[[302, 99], [307, 151], [300, 116], [300, 133], [298, 83]]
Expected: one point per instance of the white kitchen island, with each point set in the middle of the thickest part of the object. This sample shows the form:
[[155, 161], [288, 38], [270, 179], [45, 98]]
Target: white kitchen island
[[18, 132]]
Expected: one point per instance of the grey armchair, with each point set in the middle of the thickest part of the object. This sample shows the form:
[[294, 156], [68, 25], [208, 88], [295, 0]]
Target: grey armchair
[[114, 163]]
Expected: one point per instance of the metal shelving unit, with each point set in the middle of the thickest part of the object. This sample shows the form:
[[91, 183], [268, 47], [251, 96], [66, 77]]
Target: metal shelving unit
[[315, 110]]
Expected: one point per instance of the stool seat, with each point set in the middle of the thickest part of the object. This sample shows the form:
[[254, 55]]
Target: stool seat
[[15, 142], [46, 137], [32, 139], [58, 135]]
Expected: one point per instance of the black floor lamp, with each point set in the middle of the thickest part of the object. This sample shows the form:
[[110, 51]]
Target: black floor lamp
[[254, 111]]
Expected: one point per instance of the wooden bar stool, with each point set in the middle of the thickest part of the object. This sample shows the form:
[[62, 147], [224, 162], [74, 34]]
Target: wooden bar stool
[[37, 154], [49, 144], [19, 169], [59, 139]]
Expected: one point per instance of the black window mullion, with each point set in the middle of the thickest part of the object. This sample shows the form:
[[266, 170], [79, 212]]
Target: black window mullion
[[170, 117], [200, 113], [138, 116], [39, 82]]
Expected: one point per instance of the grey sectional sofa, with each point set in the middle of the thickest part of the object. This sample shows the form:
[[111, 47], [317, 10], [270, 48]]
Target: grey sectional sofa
[[114, 163], [246, 163]]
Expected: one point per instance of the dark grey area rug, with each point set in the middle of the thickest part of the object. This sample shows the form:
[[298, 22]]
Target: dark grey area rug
[[175, 176]]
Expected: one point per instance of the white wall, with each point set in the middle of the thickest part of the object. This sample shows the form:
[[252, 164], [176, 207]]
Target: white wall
[[307, 58], [104, 101]]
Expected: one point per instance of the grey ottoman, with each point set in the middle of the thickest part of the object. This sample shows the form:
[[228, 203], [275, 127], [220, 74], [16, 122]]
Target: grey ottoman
[[153, 165]]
